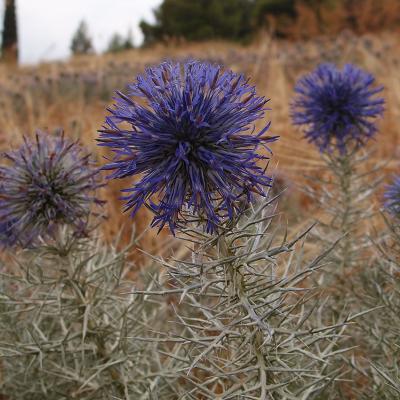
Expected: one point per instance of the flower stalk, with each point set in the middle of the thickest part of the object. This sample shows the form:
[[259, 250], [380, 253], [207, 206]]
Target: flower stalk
[[241, 318]]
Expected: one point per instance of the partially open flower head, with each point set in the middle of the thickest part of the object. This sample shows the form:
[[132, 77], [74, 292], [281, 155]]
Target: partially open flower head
[[337, 108], [48, 181], [392, 198], [187, 131]]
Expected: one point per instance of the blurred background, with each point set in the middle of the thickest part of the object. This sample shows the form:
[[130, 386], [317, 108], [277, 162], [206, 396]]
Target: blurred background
[[61, 62]]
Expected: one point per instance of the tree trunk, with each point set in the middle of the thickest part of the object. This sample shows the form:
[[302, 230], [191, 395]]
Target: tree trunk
[[9, 48]]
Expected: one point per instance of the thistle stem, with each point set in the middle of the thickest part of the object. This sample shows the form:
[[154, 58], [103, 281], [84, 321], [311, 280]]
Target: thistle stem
[[236, 280], [345, 220]]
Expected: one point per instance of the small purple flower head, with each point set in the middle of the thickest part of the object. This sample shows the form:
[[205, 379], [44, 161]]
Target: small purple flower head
[[188, 131], [338, 108], [392, 197], [46, 182]]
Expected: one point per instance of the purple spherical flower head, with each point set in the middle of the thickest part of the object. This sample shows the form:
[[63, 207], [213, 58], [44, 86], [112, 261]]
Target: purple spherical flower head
[[392, 197], [188, 131], [46, 182], [337, 107]]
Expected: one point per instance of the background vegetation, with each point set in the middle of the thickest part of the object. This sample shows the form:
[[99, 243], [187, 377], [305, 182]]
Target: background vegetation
[[74, 95], [241, 20]]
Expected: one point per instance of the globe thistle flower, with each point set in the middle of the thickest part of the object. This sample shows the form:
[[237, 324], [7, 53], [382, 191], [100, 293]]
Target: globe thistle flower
[[188, 131], [46, 182], [392, 197], [337, 107]]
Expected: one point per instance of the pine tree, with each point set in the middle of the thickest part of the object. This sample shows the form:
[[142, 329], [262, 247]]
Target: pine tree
[[81, 41], [200, 20]]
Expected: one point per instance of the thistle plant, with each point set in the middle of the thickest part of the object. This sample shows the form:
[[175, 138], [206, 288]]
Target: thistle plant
[[239, 320], [66, 308], [338, 110], [380, 289], [46, 183], [241, 326], [66, 313]]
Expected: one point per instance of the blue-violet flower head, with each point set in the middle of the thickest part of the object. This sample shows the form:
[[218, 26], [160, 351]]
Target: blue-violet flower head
[[188, 131], [338, 108], [392, 197], [46, 182]]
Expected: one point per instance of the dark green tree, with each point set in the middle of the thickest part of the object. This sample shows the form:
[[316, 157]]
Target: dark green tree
[[9, 48], [81, 41], [200, 20], [237, 20]]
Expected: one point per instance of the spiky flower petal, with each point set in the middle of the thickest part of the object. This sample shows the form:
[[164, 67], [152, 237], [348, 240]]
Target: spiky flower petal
[[188, 131], [46, 182], [338, 108]]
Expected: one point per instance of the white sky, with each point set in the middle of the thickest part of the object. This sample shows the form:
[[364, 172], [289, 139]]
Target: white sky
[[46, 27]]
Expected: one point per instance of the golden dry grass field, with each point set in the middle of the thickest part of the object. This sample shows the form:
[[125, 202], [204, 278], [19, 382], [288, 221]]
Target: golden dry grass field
[[73, 96]]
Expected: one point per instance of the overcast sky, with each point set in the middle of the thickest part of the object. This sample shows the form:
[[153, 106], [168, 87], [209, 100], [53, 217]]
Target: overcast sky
[[46, 26]]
